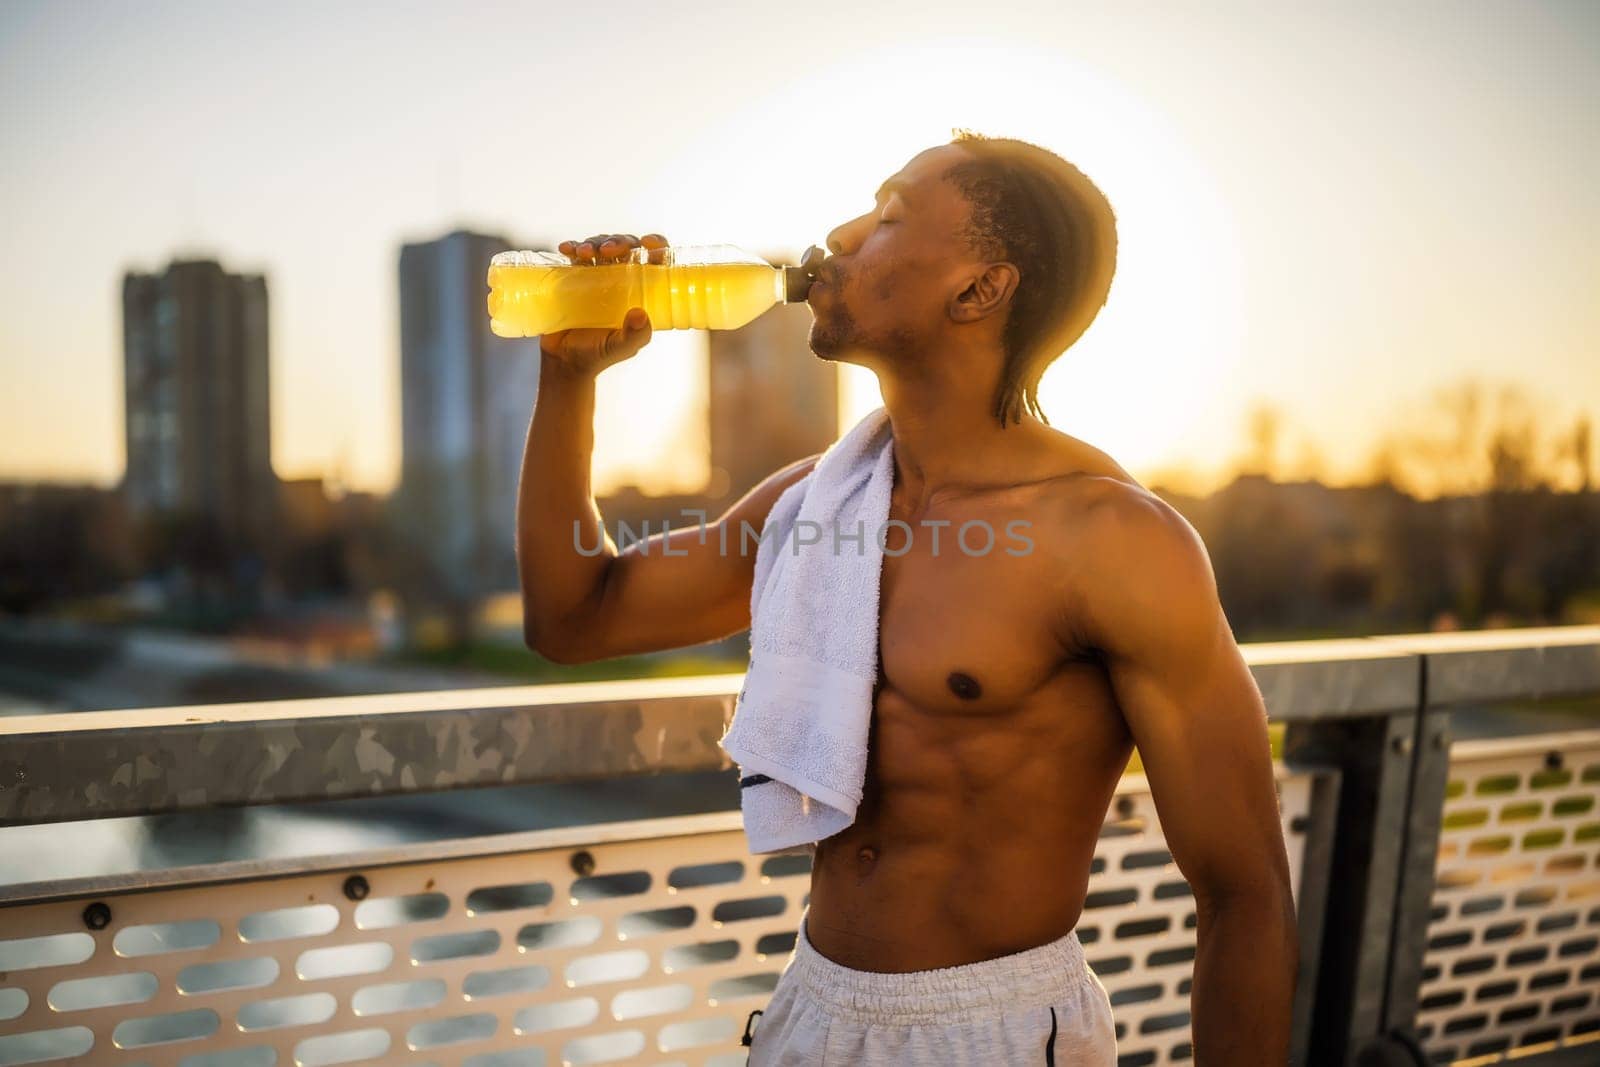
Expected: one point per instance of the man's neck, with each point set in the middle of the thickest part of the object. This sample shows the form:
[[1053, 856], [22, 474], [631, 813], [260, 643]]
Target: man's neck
[[946, 435]]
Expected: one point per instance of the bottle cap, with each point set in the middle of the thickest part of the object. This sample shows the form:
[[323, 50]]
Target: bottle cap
[[797, 280]]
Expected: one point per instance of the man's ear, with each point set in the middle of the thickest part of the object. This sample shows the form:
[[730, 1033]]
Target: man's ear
[[985, 294]]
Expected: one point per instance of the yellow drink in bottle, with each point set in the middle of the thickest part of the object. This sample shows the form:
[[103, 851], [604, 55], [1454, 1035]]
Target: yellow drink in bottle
[[715, 288]]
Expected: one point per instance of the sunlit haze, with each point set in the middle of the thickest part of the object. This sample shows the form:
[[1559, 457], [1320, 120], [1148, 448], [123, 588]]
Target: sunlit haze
[[1334, 211]]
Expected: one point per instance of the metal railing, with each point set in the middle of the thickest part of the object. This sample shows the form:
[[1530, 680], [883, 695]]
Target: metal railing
[[1448, 895]]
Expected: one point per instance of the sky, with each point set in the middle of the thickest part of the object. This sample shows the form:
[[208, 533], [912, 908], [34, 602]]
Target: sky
[[1336, 211]]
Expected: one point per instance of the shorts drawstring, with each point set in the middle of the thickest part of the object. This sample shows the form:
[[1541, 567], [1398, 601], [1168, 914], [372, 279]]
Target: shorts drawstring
[[1050, 1049]]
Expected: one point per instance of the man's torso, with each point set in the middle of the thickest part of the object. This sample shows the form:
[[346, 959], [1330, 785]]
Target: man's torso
[[995, 746]]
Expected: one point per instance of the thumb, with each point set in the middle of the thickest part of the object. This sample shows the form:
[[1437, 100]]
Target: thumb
[[634, 333]]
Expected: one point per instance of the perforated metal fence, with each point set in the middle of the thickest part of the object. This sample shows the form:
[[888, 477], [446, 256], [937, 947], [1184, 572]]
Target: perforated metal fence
[[1513, 955], [516, 951]]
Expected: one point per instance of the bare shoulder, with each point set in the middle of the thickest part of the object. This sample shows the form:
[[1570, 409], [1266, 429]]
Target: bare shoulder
[[1123, 557]]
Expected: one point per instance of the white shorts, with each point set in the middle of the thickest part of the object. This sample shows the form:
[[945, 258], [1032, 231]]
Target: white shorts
[[1039, 1006]]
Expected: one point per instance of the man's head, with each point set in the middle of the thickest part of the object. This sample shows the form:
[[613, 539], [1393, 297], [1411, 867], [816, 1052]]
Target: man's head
[[993, 242]]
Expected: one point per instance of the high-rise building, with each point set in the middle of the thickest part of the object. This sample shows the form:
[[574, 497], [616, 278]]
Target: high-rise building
[[772, 400], [198, 423], [466, 400]]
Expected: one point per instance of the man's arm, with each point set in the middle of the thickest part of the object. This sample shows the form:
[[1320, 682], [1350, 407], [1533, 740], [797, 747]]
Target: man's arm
[[578, 607], [1147, 600]]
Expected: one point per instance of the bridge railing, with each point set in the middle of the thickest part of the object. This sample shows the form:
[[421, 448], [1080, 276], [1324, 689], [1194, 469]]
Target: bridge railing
[[1448, 894]]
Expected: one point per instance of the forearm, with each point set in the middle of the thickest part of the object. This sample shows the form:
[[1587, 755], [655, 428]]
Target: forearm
[[1244, 978], [556, 512]]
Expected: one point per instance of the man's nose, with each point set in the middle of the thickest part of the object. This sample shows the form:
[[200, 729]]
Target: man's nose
[[845, 238]]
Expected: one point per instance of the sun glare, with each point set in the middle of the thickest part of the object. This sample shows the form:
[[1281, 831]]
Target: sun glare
[[1151, 379]]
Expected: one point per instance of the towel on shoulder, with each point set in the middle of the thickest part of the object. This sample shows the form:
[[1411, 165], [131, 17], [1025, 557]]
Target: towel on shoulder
[[800, 725]]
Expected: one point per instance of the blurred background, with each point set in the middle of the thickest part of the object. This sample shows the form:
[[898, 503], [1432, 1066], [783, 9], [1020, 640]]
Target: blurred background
[[256, 440]]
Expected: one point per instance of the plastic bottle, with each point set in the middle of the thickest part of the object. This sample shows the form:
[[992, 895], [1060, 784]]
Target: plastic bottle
[[711, 287]]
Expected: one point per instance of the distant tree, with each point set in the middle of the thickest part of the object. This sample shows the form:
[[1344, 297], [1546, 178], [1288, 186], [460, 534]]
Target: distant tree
[[1495, 464], [1264, 433], [1582, 446]]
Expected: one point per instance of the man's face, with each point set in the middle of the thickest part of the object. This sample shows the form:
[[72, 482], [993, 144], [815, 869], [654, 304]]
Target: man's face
[[886, 288]]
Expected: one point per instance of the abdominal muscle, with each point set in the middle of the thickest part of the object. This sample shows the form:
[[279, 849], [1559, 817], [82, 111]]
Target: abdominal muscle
[[975, 833]]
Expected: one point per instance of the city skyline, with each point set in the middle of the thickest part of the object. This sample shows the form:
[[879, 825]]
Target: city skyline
[[1346, 218]]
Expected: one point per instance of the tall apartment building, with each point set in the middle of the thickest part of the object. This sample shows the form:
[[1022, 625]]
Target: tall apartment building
[[198, 410], [466, 400]]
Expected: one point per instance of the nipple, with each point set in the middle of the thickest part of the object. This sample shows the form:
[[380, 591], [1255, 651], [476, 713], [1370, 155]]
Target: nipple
[[964, 686]]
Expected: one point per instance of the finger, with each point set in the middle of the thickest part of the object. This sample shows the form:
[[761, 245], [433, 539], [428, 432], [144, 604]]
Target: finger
[[616, 247], [589, 247], [627, 339], [655, 243], [567, 248]]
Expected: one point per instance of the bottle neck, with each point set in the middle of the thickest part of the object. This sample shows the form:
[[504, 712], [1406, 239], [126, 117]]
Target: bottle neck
[[794, 285]]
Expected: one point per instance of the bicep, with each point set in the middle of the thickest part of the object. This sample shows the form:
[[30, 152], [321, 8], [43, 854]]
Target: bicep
[[1191, 704]]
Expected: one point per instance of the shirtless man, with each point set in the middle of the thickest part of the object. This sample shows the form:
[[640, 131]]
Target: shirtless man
[[1012, 687]]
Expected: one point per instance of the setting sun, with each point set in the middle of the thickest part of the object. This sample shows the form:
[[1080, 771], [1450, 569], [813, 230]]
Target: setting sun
[[1151, 377]]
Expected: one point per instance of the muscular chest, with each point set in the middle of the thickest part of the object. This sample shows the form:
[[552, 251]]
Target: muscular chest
[[966, 624]]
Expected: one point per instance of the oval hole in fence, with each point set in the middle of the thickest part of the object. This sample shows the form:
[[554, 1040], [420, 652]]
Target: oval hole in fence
[[604, 1048], [166, 1029], [497, 898], [481, 984], [42, 1046], [660, 920], [1138, 994], [351, 1046], [558, 1016], [255, 1056], [397, 996], [563, 933], [337, 961], [786, 866], [1136, 861], [455, 946], [309, 920], [683, 957], [730, 911], [656, 1000], [457, 1030], [53, 950], [520, 1057], [81, 994], [702, 874], [695, 1033], [281, 1012], [1109, 898], [607, 967], [606, 886], [160, 938], [776, 944], [228, 974], [386, 912], [13, 1002]]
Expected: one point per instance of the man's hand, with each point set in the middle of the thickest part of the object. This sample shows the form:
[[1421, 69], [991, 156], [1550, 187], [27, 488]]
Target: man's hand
[[587, 352]]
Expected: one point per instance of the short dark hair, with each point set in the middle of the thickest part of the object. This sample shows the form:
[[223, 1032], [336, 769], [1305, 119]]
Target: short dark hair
[[1041, 213]]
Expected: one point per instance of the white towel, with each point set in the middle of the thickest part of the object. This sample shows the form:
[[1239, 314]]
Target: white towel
[[802, 717]]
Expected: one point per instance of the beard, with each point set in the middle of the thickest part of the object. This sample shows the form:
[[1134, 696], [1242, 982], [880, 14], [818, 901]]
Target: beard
[[833, 331]]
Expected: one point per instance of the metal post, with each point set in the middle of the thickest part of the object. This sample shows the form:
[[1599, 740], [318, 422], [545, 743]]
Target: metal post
[[1374, 756]]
